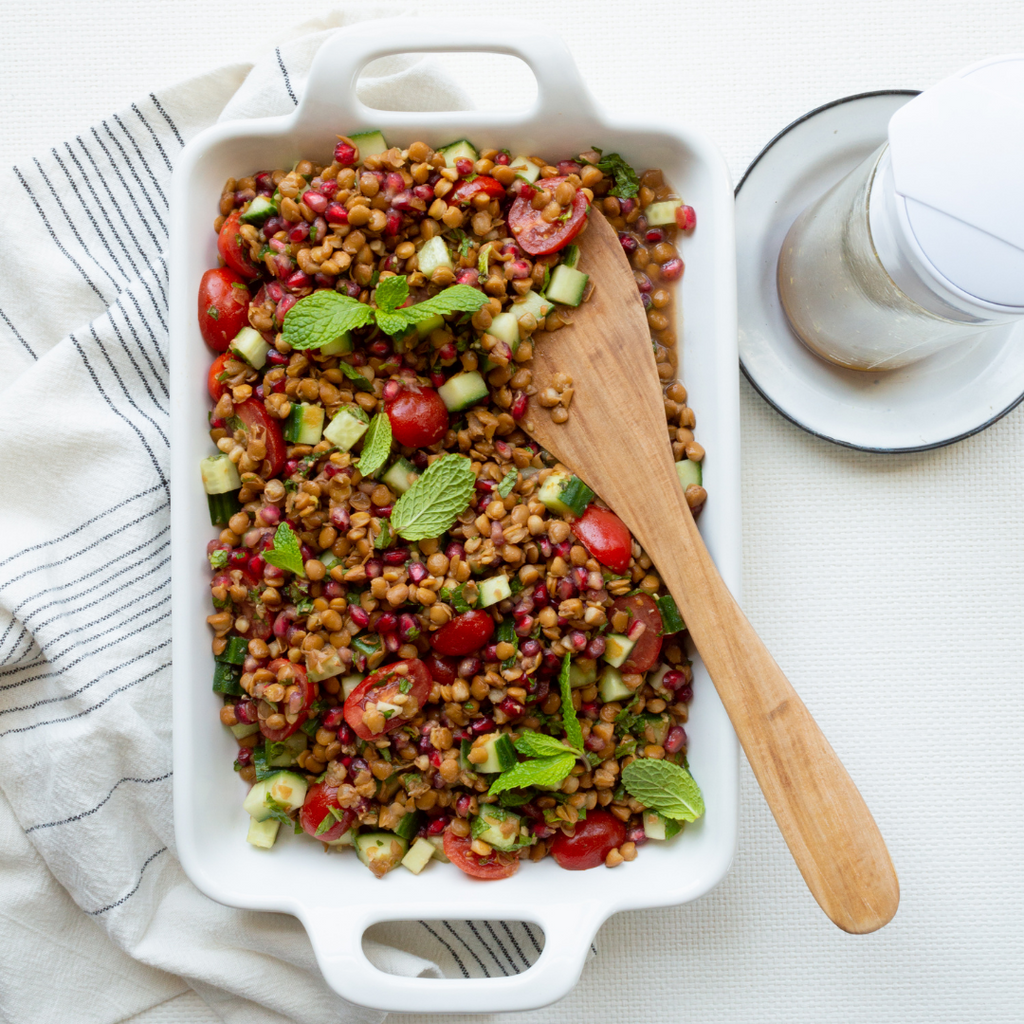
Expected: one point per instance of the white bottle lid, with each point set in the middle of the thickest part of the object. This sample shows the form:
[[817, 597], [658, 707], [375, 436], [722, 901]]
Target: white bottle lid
[[947, 203]]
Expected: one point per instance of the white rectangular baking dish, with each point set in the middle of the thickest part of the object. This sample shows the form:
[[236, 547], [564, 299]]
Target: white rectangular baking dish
[[335, 897]]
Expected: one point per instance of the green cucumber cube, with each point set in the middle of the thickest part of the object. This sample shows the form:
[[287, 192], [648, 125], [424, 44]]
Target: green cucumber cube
[[305, 424], [419, 855], [248, 345], [617, 648], [220, 475], [433, 255], [381, 852], [657, 826], [262, 832], [432, 323], [259, 210], [401, 476], [525, 168], [550, 493], [323, 664], [532, 302], [459, 150], [567, 286], [689, 472], [501, 755], [344, 430], [497, 827], [349, 683], [371, 143], [582, 672], [243, 729], [437, 842], [463, 390], [505, 327], [493, 590], [662, 214], [341, 346], [612, 687]]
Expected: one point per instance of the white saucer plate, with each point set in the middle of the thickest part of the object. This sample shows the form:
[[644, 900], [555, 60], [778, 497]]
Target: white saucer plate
[[931, 403]]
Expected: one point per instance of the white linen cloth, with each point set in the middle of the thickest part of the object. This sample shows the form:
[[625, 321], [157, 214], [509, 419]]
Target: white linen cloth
[[85, 639]]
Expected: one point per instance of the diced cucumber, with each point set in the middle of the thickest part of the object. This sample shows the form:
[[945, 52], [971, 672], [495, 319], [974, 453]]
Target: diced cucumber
[[243, 729], [505, 327], [226, 679], [525, 168], [689, 472], [572, 256], [291, 747], [285, 788], [493, 590], [349, 683], [497, 827], [263, 832], [432, 323], [582, 672], [612, 687], [464, 762], [657, 826], [401, 476], [437, 842], [235, 650], [220, 475], [259, 210], [345, 839], [657, 681], [567, 285], [345, 429], [371, 143], [565, 495], [341, 346], [248, 344], [409, 825], [222, 507], [501, 755], [463, 390], [381, 851], [419, 855], [305, 424], [535, 303], [462, 149], [671, 620], [320, 666], [617, 648], [434, 254], [664, 213]]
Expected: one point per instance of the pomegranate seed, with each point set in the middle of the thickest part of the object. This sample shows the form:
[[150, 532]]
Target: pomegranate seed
[[637, 836], [381, 511], [381, 349], [245, 712], [329, 188], [283, 306], [524, 627], [272, 225], [577, 640], [468, 275], [469, 667], [334, 717], [264, 183], [316, 201], [306, 551], [596, 647], [358, 616], [336, 214], [374, 568], [332, 589], [408, 627], [490, 652], [275, 291], [447, 352], [464, 167], [541, 830], [626, 206], [567, 167], [323, 281], [580, 577], [675, 740], [566, 590], [512, 707], [644, 284], [684, 694], [540, 596], [629, 243], [393, 224], [672, 680], [424, 192], [531, 648], [291, 467], [520, 403], [418, 572], [654, 236], [256, 566], [420, 460], [481, 725], [298, 280], [686, 218], [545, 546], [519, 269], [590, 710], [435, 759], [391, 643], [503, 158], [387, 623], [397, 557], [437, 378], [345, 154], [283, 622], [340, 518], [455, 550], [237, 558], [438, 825], [672, 270], [216, 423]]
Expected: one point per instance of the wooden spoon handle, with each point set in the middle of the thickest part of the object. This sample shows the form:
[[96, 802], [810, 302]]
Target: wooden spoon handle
[[822, 816]]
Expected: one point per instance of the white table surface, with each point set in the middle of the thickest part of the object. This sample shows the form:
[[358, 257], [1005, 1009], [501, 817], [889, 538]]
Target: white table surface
[[890, 588]]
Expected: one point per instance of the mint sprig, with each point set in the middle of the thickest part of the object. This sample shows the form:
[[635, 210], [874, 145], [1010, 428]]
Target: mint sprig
[[573, 732], [435, 500], [376, 446], [543, 771], [539, 744], [627, 184], [287, 552], [361, 383], [320, 318], [666, 787]]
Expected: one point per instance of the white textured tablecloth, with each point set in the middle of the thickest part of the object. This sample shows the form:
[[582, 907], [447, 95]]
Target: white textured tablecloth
[[890, 588]]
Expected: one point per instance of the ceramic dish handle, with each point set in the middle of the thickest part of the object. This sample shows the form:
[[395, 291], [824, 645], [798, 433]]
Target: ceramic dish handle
[[337, 938], [331, 88]]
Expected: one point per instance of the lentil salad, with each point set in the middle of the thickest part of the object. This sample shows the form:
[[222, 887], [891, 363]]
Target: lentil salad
[[432, 640]]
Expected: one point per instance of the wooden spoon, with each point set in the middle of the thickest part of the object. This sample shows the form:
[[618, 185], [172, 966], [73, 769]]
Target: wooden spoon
[[618, 411]]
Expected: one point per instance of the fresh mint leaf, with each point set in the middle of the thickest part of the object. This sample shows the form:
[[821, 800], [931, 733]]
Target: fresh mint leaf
[[383, 539], [361, 383], [627, 184], [278, 811], [459, 298], [392, 323], [326, 825], [539, 744], [573, 732], [510, 798], [391, 293], [544, 771], [506, 633], [286, 553], [322, 317], [436, 499], [665, 787], [509, 481], [218, 559], [376, 445]]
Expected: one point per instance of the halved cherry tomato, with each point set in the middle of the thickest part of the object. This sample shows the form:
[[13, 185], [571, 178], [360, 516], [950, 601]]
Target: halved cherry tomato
[[495, 865], [588, 846], [233, 248], [534, 234], [258, 423], [214, 386], [223, 307], [465, 190], [605, 536], [648, 646], [418, 415], [298, 701], [384, 685], [466, 633], [320, 798], [442, 670]]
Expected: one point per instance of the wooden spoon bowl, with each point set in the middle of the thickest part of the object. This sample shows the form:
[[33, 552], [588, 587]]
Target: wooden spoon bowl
[[615, 440]]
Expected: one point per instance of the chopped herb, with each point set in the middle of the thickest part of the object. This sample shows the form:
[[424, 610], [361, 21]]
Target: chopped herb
[[627, 184], [218, 559], [509, 481]]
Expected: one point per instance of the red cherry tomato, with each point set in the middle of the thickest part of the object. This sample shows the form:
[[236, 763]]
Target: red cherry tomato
[[418, 416], [257, 422], [297, 702], [223, 307], [592, 841], [234, 250], [534, 234], [382, 686], [495, 865], [605, 536], [466, 633], [648, 646], [214, 386], [465, 190], [442, 670], [320, 798]]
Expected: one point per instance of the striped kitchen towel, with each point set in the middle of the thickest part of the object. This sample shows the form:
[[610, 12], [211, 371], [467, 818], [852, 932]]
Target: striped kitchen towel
[[99, 919]]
